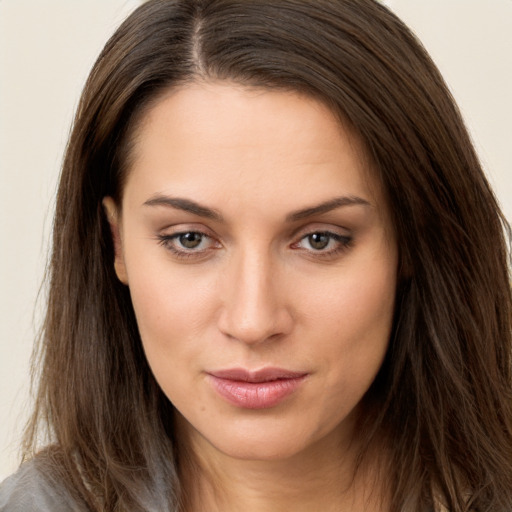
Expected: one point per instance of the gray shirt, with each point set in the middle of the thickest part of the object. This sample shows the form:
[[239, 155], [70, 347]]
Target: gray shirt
[[29, 491]]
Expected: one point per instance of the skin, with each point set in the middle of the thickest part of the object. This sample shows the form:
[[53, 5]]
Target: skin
[[258, 290]]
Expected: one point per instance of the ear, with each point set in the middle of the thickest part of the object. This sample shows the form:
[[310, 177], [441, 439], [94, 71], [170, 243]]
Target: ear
[[112, 213]]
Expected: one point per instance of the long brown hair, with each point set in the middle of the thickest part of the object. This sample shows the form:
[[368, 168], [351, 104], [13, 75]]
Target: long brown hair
[[443, 398]]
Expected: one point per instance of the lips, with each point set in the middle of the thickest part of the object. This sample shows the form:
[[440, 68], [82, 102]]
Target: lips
[[260, 389]]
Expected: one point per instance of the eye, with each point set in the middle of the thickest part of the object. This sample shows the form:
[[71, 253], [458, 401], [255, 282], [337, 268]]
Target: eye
[[188, 244], [190, 240], [319, 241], [324, 243]]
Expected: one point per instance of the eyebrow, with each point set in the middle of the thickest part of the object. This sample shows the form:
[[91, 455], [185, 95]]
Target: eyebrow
[[190, 206], [186, 205], [326, 207]]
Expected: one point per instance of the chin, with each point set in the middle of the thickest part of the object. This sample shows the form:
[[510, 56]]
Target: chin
[[262, 450]]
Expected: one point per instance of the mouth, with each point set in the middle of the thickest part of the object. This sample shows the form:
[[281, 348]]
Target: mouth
[[261, 389]]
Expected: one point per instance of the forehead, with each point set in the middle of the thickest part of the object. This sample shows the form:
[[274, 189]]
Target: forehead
[[216, 139]]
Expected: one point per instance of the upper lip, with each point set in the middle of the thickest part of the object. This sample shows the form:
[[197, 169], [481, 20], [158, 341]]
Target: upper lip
[[262, 375]]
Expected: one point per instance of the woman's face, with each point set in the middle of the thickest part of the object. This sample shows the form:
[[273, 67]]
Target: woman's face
[[261, 264]]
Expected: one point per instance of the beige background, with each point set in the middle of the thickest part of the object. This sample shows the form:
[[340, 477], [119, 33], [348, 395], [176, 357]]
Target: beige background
[[46, 50]]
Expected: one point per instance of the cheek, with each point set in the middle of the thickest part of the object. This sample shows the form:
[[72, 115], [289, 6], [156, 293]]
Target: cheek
[[352, 317], [352, 345], [355, 305], [173, 310], [167, 302], [171, 323]]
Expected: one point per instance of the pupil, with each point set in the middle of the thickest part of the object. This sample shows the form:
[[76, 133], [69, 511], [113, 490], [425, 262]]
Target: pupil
[[190, 240], [319, 240]]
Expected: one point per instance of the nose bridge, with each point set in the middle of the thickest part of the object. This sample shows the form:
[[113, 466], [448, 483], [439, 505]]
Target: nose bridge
[[253, 310]]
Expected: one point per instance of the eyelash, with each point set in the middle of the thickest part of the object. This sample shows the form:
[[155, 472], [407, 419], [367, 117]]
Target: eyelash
[[169, 243], [343, 243]]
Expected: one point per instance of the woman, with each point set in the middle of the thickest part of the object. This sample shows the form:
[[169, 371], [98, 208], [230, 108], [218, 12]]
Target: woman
[[279, 278]]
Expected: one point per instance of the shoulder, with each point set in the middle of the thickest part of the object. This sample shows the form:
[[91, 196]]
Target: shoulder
[[28, 490]]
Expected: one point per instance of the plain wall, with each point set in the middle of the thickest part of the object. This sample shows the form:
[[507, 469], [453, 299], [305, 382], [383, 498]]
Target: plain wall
[[46, 51]]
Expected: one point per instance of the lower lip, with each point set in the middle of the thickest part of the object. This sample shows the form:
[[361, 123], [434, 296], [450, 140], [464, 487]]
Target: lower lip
[[255, 395]]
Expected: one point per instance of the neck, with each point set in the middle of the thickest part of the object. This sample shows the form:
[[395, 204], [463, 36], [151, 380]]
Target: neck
[[323, 477]]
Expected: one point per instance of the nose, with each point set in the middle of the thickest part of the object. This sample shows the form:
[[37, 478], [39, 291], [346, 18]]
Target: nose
[[255, 308]]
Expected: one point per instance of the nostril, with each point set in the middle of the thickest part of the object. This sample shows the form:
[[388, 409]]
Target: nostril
[[262, 326]]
